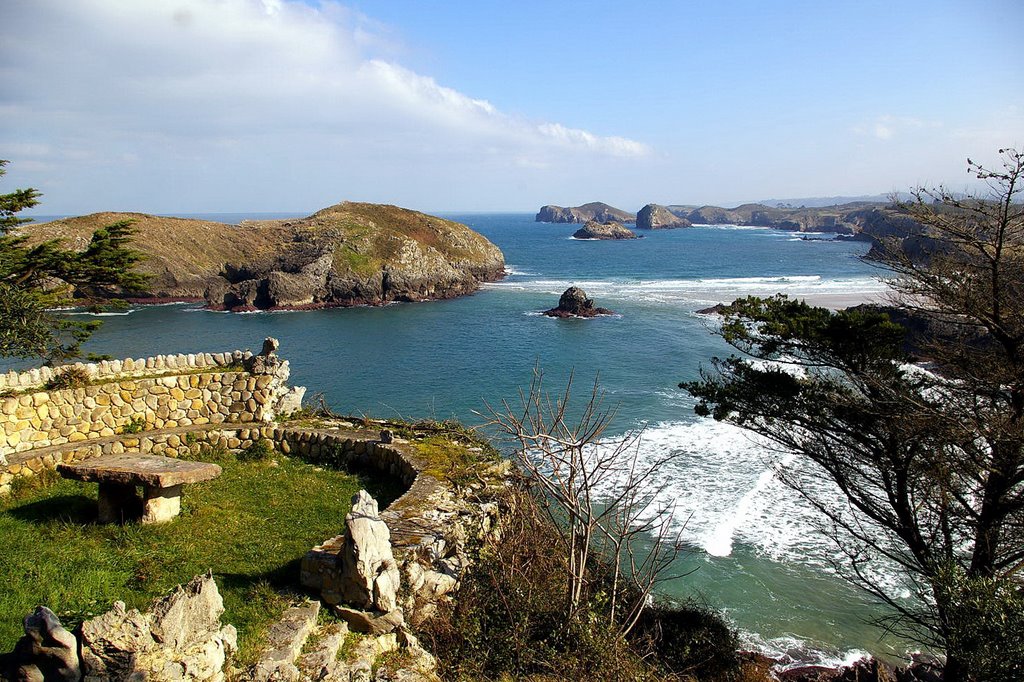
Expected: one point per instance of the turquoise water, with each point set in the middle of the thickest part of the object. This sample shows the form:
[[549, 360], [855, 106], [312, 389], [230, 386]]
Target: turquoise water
[[758, 555]]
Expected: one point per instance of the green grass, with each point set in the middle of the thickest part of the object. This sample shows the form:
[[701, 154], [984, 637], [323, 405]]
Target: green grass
[[251, 526]]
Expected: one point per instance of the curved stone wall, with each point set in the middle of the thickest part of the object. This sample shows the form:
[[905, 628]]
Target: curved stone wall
[[203, 401], [37, 378]]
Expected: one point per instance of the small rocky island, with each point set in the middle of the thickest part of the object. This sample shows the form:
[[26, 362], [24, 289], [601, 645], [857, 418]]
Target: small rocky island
[[610, 230], [574, 303], [655, 217], [347, 254], [595, 210]]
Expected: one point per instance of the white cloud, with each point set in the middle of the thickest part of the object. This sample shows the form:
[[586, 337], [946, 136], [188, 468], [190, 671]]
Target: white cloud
[[886, 127], [201, 97]]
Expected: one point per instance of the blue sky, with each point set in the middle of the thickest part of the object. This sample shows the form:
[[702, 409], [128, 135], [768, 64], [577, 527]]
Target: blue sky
[[183, 106]]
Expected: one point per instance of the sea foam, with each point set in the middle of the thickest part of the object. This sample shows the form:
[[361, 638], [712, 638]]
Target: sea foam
[[697, 290], [722, 485]]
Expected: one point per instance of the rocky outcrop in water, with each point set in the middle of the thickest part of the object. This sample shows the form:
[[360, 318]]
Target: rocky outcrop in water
[[611, 230], [596, 211], [574, 303], [348, 254], [655, 217], [353, 254]]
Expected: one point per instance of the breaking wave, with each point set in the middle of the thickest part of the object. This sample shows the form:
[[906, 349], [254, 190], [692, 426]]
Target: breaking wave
[[722, 485], [698, 290]]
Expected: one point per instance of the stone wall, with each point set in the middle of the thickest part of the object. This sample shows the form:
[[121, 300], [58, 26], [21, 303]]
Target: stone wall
[[40, 428], [44, 418], [192, 403], [123, 369]]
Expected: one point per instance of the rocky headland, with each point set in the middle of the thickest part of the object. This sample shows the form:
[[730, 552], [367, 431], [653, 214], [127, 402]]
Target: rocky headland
[[344, 255], [655, 217], [574, 303], [862, 220], [610, 230], [596, 210], [848, 219]]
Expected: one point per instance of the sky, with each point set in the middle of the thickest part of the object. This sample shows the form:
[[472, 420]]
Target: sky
[[194, 106]]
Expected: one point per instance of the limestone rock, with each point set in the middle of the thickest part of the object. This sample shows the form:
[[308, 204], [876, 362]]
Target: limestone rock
[[280, 398], [267, 361], [181, 638], [610, 230], [346, 254], [354, 253], [655, 217], [47, 652], [369, 622], [285, 640], [270, 346], [321, 662], [370, 576], [290, 401], [595, 210], [188, 614], [574, 303]]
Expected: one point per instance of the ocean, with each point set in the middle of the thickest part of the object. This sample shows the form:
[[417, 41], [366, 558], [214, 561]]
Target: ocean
[[756, 547]]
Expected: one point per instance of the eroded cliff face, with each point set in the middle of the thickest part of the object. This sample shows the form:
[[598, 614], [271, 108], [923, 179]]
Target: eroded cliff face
[[348, 254], [655, 217], [596, 211], [838, 219], [353, 254]]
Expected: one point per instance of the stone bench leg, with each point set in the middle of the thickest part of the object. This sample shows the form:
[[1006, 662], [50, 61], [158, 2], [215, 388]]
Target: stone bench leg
[[161, 504], [117, 502]]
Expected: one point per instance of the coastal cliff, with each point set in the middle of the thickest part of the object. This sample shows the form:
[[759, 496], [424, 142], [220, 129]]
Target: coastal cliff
[[596, 211], [842, 219], [655, 217], [348, 254]]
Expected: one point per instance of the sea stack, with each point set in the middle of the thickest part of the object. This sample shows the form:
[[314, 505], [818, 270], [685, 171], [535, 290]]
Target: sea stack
[[610, 230], [574, 303]]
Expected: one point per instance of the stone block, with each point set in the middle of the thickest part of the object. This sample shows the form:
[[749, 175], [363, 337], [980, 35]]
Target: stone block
[[285, 640], [9, 406]]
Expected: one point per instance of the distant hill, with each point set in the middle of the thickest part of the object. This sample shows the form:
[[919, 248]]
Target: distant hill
[[595, 210], [848, 219], [348, 254], [819, 202]]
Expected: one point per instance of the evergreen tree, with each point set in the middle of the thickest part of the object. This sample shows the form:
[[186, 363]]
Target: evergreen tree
[[35, 279], [930, 462]]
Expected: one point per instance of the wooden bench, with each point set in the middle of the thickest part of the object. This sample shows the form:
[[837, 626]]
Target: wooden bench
[[119, 476]]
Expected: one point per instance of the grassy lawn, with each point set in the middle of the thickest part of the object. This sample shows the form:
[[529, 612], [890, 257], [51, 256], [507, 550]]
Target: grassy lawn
[[251, 526]]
